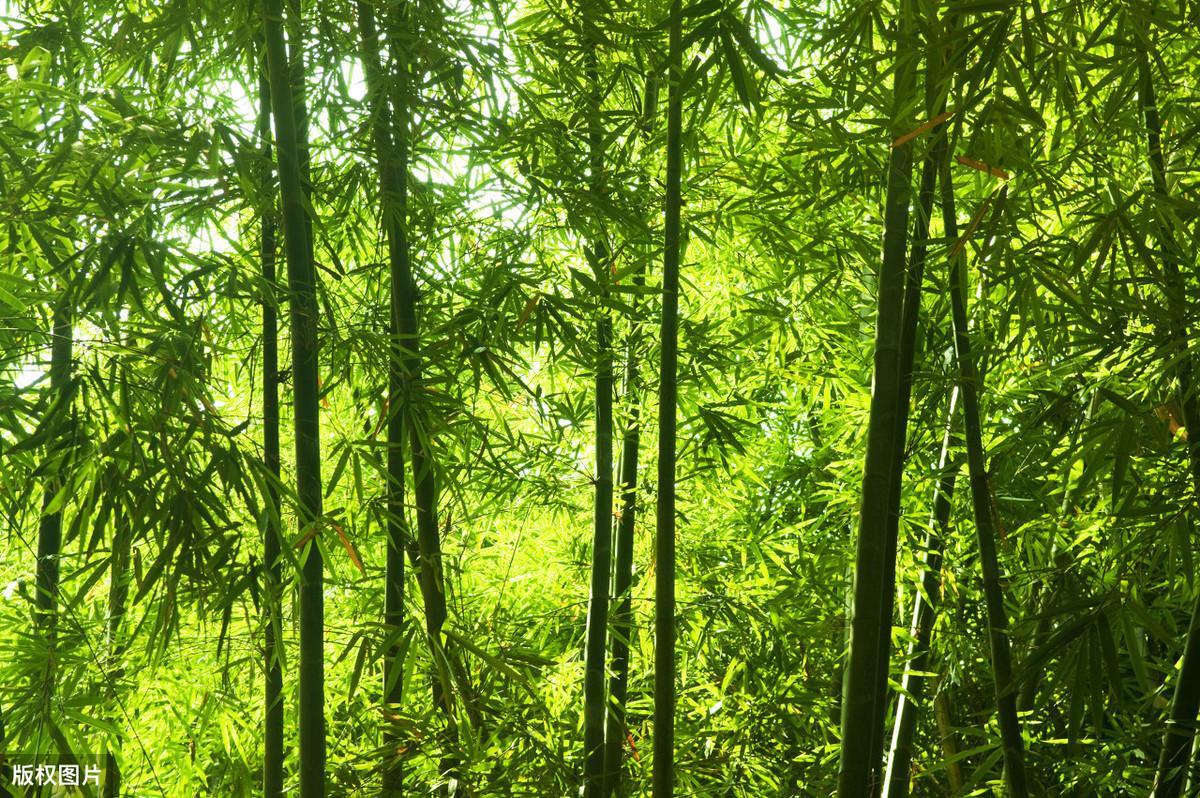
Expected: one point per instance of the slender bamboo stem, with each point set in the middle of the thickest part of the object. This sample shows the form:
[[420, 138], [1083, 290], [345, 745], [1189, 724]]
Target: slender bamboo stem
[[390, 113], [594, 783], [862, 705], [272, 569], [912, 692], [392, 154], [1172, 772], [303, 313], [404, 301], [969, 386], [950, 753], [909, 322], [622, 617], [50, 526], [118, 594], [663, 780], [622, 620]]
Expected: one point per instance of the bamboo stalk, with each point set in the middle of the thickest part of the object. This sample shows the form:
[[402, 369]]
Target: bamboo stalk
[[622, 618], [663, 779], [50, 526], [594, 781], [303, 317], [404, 300], [969, 385], [870, 627], [118, 593], [945, 727], [909, 322], [1172, 771], [390, 109], [392, 160], [912, 692], [273, 752]]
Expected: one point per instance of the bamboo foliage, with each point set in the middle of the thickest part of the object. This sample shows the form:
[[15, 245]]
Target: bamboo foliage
[[463, 208]]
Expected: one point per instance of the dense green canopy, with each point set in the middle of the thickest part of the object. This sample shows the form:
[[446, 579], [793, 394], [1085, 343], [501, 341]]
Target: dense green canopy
[[543, 398]]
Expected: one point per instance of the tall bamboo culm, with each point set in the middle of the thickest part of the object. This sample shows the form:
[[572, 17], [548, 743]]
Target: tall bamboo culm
[[303, 319], [596, 638], [913, 687], [859, 772], [272, 574], [1172, 771], [663, 779], [392, 157], [970, 384]]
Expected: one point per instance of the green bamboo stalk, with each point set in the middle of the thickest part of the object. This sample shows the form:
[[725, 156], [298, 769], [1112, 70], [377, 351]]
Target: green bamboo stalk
[[272, 572], [912, 692], [663, 779], [294, 33], [908, 351], [909, 322], [404, 296], [301, 287], [969, 384], [392, 157], [118, 594], [595, 651], [1172, 771], [862, 705], [622, 616], [944, 719], [405, 324], [50, 526]]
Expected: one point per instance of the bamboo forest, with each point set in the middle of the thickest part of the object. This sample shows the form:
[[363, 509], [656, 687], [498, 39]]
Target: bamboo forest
[[600, 398]]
